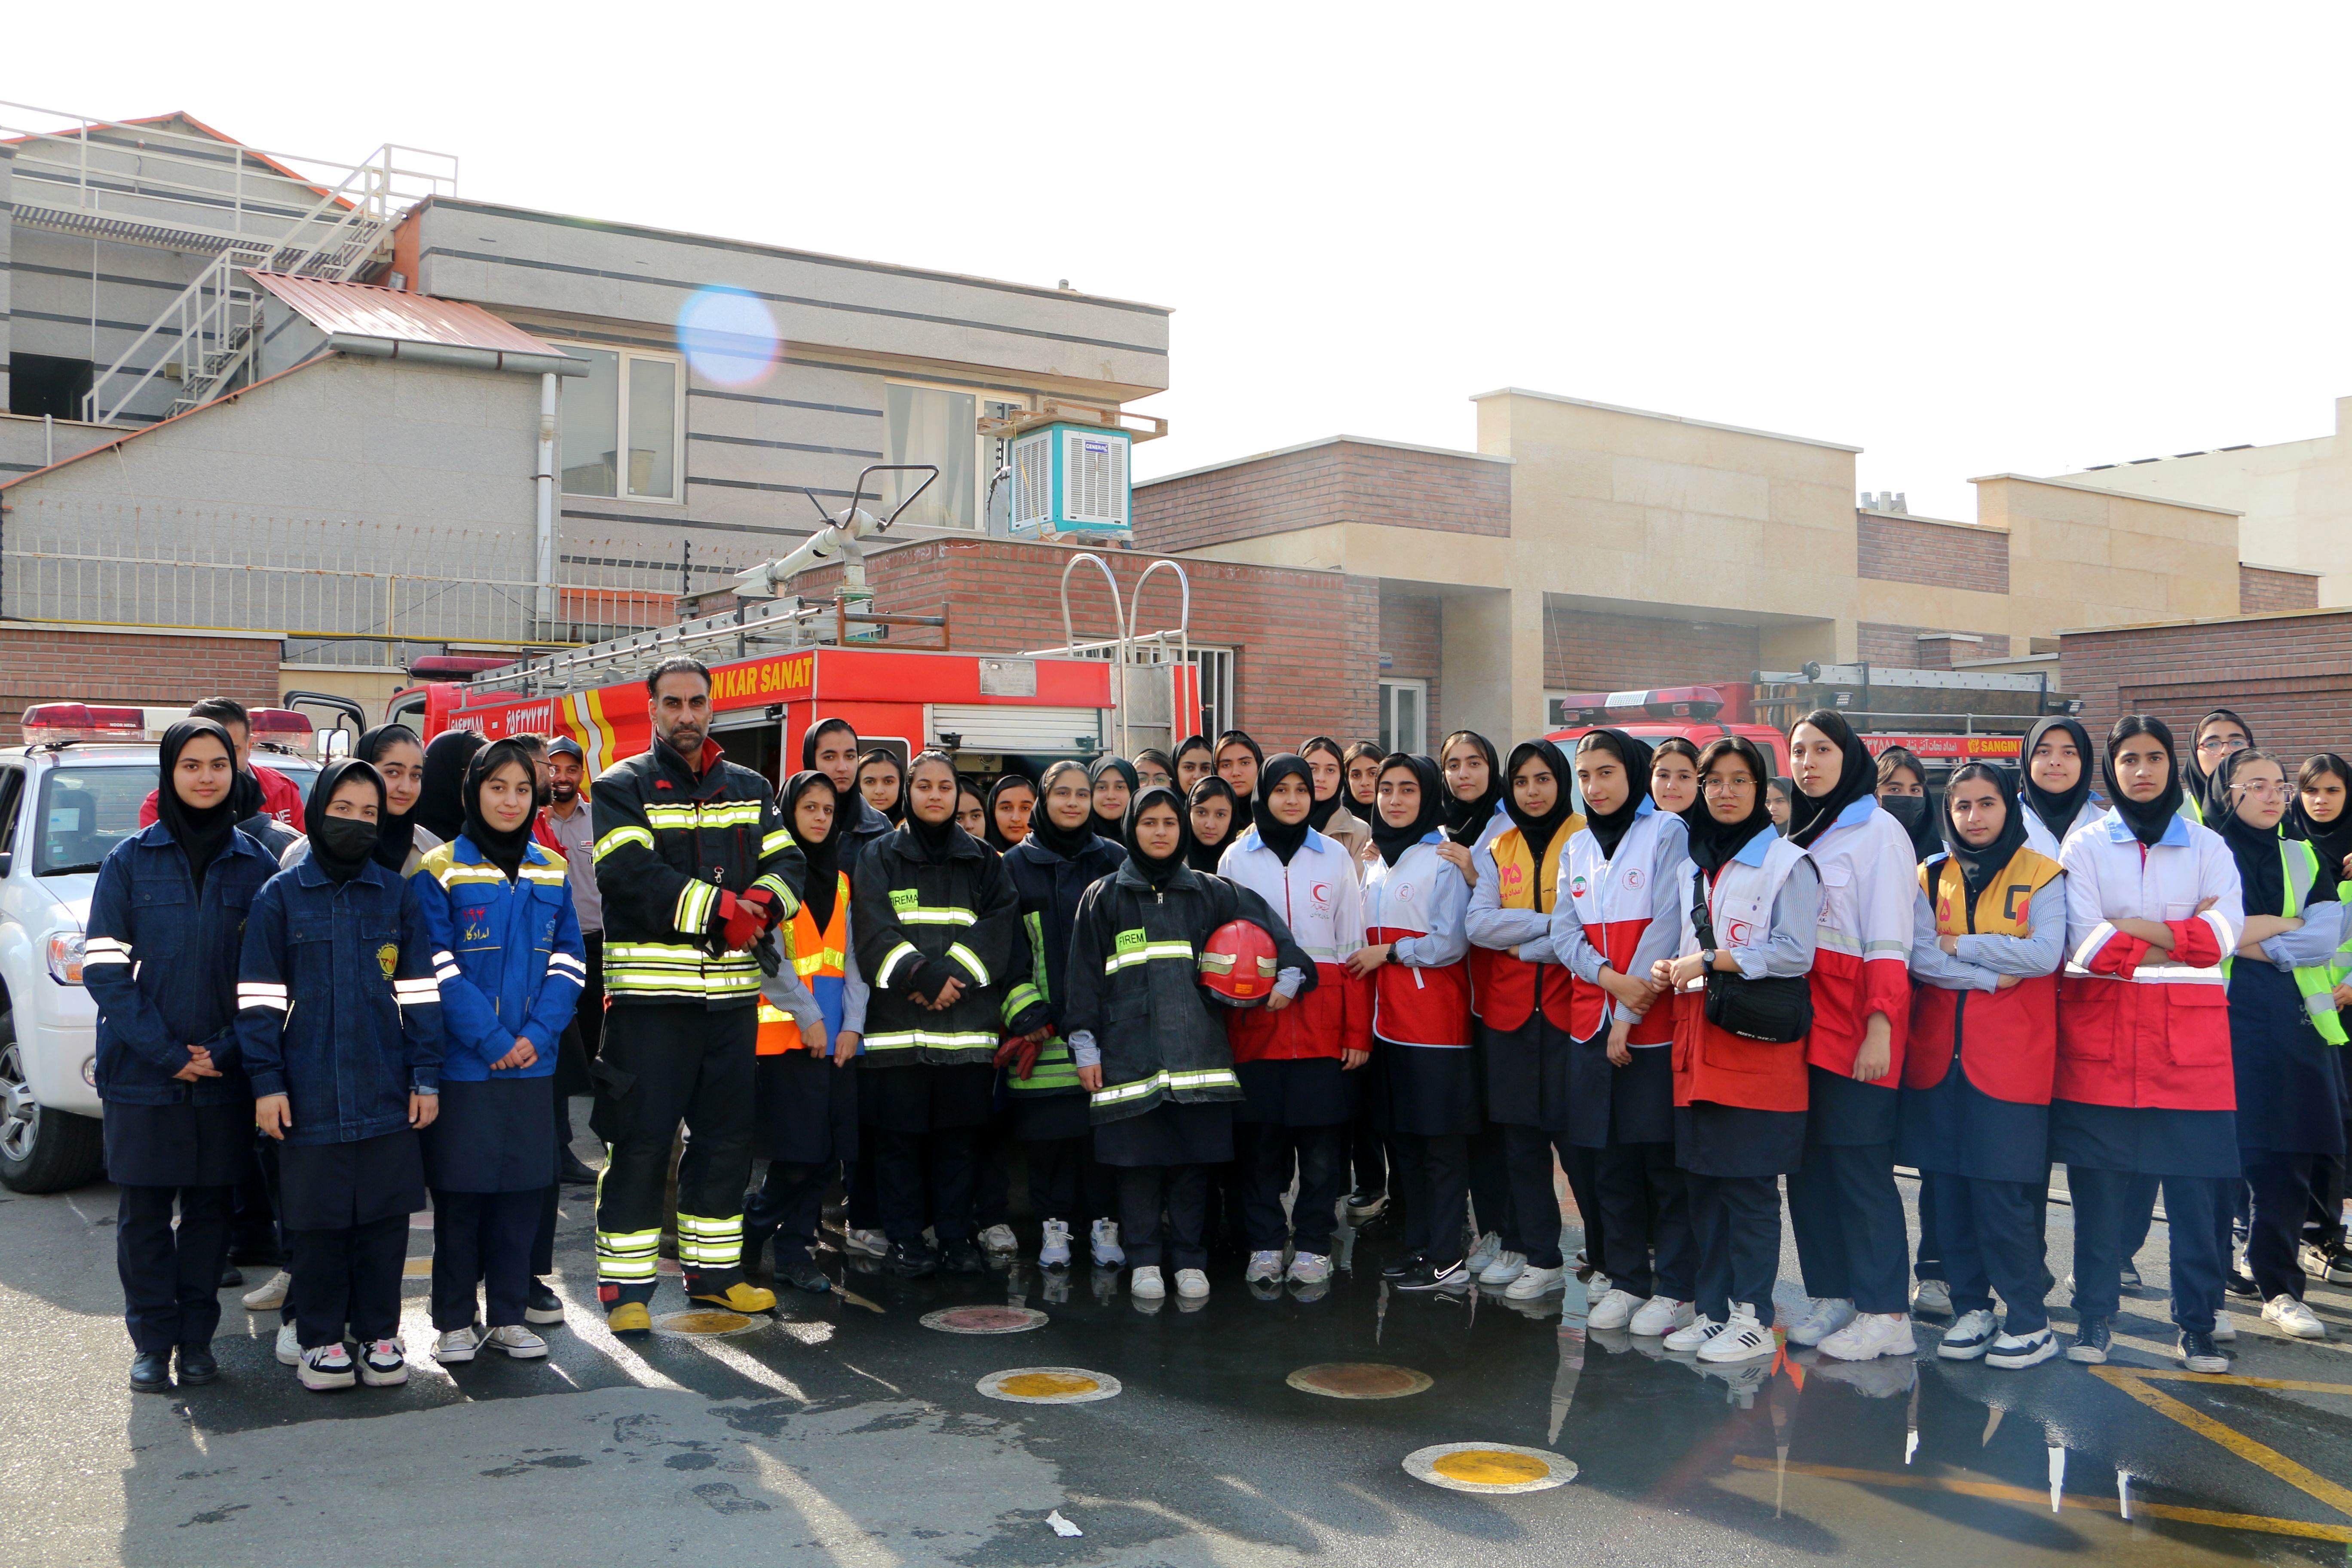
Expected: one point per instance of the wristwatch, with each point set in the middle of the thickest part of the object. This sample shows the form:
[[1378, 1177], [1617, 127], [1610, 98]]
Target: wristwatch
[[1705, 959]]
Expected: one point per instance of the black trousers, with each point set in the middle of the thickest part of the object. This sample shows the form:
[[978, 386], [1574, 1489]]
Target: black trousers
[[1991, 1243], [1490, 1183], [543, 1242], [1434, 1170], [1581, 1166], [1928, 1257], [348, 1278], [482, 1239], [1368, 1154], [1182, 1190], [787, 1205], [992, 1189], [253, 1235], [1267, 1153], [1850, 1240], [1645, 1203], [1534, 1204], [170, 1275], [1066, 1183], [2106, 1213], [865, 1201], [2284, 1185], [661, 1065], [950, 1157], [1736, 1225], [583, 1037], [2139, 1213]]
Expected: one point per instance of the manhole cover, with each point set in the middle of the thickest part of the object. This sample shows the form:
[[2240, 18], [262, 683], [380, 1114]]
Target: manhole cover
[[1358, 1380], [1489, 1467], [704, 1321], [982, 1319], [1049, 1386]]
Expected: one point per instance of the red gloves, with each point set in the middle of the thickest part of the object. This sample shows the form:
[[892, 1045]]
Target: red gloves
[[1020, 1053], [740, 921]]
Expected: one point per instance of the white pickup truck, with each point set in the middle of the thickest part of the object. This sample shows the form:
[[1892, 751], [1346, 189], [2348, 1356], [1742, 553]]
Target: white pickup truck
[[62, 807]]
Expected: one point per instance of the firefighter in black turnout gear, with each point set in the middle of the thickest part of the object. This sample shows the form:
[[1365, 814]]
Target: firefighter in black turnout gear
[[695, 865]]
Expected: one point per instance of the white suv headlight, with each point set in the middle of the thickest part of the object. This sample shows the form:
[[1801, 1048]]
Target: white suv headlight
[[64, 957]]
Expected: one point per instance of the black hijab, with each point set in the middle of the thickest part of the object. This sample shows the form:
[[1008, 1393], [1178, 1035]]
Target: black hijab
[[1809, 818], [2146, 819], [1915, 814], [995, 834], [201, 835], [1069, 843], [1466, 819], [818, 732], [1157, 873], [2058, 810], [1610, 828], [395, 835], [896, 812], [1284, 839], [1237, 738], [1392, 842], [440, 807], [1111, 827], [1369, 807], [505, 850], [1714, 844], [2331, 841], [822, 855], [1192, 744], [2199, 783], [1323, 811], [2262, 874], [1199, 855], [934, 840], [1980, 866], [337, 846], [1539, 831]]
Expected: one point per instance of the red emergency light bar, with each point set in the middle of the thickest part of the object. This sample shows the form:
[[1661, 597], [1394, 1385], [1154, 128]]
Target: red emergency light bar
[[53, 723], [1666, 702], [280, 726]]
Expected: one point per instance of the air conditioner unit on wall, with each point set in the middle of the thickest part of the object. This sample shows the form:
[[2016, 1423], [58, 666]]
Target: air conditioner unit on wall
[[1070, 479]]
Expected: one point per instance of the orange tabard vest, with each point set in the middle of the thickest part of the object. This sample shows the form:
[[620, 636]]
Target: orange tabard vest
[[1506, 991], [2007, 1040]]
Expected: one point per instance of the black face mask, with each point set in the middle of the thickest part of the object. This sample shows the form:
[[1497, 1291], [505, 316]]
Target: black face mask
[[341, 844], [1911, 811]]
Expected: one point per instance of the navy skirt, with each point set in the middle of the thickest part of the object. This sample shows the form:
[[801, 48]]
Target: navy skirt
[[1303, 1091], [178, 1146], [805, 1110], [2290, 1081], [917, 1097], [1846, 1110], [335, 1187], [2146, 1141], [1199, 1134], [1429, 1092], [1713, 1139], [495, 1135], [1613, 1105], [1531, 1075], [1959, 1130]]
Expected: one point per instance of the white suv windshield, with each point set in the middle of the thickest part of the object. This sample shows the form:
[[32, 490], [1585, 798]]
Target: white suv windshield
[[84, 812]]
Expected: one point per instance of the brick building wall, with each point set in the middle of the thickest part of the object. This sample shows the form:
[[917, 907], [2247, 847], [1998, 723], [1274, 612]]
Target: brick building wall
[[159, 669], [1411, 637], [1940, 554], [1332, 481], [2261, 589], [1622, 653], [2289, 675], [1899, 648]]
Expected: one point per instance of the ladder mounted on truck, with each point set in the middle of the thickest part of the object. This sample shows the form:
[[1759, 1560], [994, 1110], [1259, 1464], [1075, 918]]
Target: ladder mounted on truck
[[1154, 682]]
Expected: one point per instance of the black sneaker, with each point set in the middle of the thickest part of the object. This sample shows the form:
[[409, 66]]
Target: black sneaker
[[232, 1278], [151, 1372], [542, 1305], [801, 1274], [2200, 1354], [2091, 1337], [962, 1258], [1364, 1205], [197, 1365], [1398, 1268], [2242, 1283], [912, 1262], [1436, 1276]]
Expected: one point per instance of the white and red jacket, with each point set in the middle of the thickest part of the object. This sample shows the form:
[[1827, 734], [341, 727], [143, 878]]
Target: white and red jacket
[[2136, 1027], [1621, 911], [1421, 996], [1317, 898], [1862, 956]]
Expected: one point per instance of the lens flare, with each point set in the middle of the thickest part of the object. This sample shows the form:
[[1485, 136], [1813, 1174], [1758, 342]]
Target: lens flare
[[729, 336]]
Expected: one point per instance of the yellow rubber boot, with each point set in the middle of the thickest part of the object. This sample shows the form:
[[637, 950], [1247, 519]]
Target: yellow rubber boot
[[630, 1318], [742, 1297]]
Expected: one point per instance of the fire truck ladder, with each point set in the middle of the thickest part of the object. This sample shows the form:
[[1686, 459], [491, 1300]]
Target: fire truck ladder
[[1127, 645]]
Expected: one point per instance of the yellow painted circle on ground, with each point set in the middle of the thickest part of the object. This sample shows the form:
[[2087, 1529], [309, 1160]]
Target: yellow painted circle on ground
[[704, 1321], [1358, 1380], [1490, 1467], [1049, 1386]]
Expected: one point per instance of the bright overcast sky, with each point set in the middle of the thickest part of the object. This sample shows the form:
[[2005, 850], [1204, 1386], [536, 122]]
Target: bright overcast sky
[[1966, 239]]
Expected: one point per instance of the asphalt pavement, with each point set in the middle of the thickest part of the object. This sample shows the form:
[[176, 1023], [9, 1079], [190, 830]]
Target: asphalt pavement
[[844, 1430]]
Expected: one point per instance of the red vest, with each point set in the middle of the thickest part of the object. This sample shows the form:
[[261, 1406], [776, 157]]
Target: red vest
[[2007, 1040], [1506, 992], [1709, 1064], [1412, 1007], [1612, 897]]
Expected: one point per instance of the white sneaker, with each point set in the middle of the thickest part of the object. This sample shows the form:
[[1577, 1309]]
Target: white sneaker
[[456, 1345], [1742, 1339], [1613, 1310], [1969, 1337], [289, 1345], [2016, 1352], [1507, 1265], [1482, 1256], [383, 1363], [1535, 1280], [2225, 1328], [1262, 1266], [1055, 1252], [1597, 1285], [1104, 1239], [1826, 1317], [326, 1367], [1191, 1284], [2293, 1318], [1310, 1269], [1660, 1315], [1692, 1334], [1932, 1296], [272, 1294], [998, 1240], [516, 1341], [1147, 1285], [1870, 1335], [867, 1243]]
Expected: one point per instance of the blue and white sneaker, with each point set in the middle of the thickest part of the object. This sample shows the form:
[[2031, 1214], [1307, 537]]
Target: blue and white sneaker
[[1969, 1337]]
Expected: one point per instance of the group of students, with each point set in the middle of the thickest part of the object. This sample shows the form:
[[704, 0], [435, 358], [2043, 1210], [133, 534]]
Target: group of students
[[1675, 976]]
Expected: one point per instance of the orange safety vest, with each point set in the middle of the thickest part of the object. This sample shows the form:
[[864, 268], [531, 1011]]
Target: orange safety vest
[[819, 958], [2007, 1040]]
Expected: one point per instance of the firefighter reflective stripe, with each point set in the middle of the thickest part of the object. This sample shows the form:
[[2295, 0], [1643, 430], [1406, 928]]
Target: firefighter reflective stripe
[[694, 902], [787, 903], [775, 843], [415, 993], [1020, 999], [260, 993], [445, 965], [104, 950], [706, 817], [630, 1257], [1055, 1068], [663, 969], [925, 1039], [557, 964], [707, 1243], [970, 960], [620, 836], [454, 873], [917, 915], [1127, 953], [890, 962], [1164, 1081], [2317, 983]]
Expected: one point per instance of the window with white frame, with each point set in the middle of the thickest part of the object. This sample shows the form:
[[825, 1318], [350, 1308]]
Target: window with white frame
[[1404, 716], [941, 426], [623, 426]]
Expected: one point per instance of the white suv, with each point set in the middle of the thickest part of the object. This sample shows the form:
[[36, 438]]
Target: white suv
[[62, 807]]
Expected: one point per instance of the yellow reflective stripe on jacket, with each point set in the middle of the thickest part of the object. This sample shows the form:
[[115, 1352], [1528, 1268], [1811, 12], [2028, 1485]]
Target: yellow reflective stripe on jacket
[[1201, 1078], [925, 1039], [787, 903], [665, 969], [693, 912], [890, 962], [775, 843], [1146, 952], [970, 960], [705, 816], [919, 916], [620, 836]]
